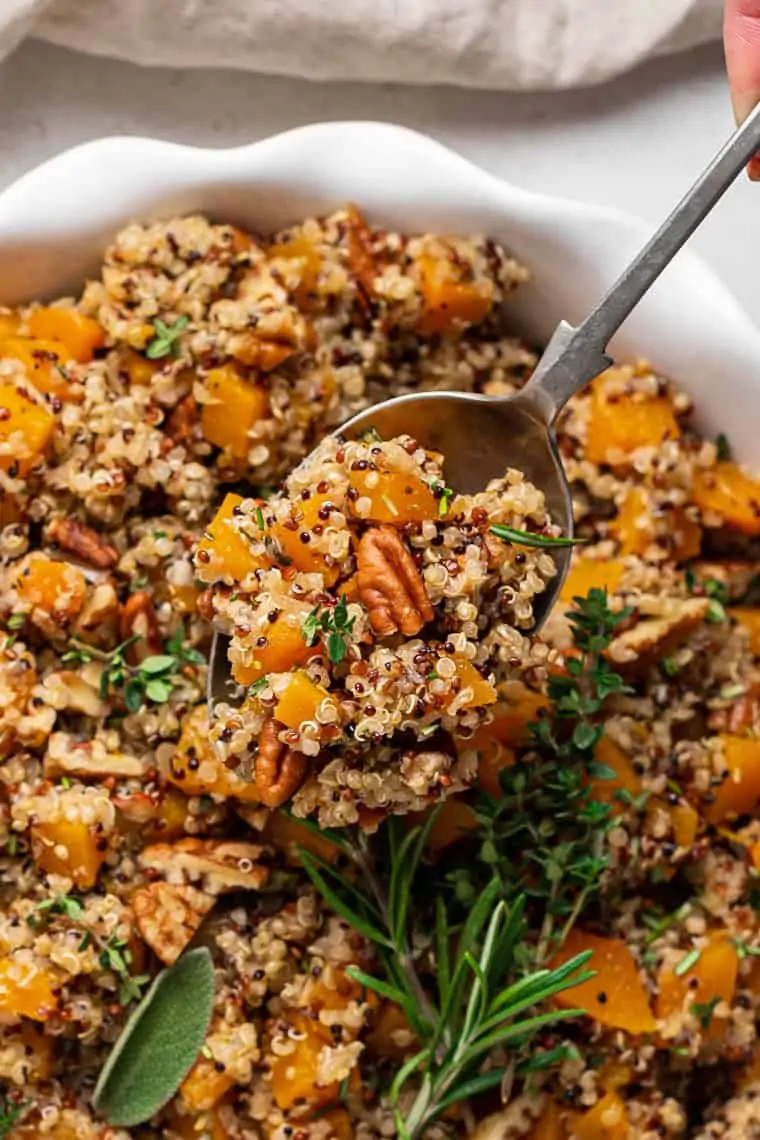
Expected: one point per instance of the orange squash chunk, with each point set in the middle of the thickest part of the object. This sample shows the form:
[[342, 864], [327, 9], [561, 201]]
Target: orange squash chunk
[[684, 820], [626, 778], [728, 491], [749, 617], [615, 996], [294, 1075], [483, 692], [395, 498], [264, 355], [68, 847], [26, 990], [711, 978], [492, 760], [56, 587], [300, 250], [285, 649], [391, 1037], [636, 528], [302, 555], [287, 835], [449, 303], [184, 1126], [140, 369], [42, 361], [510, 725], [618, 424], [10, 323], [739, 793], [300, 701], [452, 823], [339, 1122], [607, 1120], [591, 574], [235, 406], [31, 424], [80, 335], [198, 769], [223, 553], [203, 1086], [550, 1125]]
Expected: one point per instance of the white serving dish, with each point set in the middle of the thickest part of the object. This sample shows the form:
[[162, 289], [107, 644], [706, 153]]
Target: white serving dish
[[56, 220]]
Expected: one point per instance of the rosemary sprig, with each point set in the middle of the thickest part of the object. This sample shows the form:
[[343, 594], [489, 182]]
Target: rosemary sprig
[[527, 538], [481, 1000]]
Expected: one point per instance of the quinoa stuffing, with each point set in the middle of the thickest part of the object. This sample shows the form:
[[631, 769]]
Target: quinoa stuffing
[[433, 875]]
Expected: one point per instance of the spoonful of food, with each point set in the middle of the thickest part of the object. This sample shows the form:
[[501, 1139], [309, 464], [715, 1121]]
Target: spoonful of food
[[482, 435]]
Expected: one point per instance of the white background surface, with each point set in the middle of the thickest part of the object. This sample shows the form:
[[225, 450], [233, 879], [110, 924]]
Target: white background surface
[[635, 144]]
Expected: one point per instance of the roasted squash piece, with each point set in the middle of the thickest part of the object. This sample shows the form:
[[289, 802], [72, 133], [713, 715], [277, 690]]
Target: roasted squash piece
[[302, 555], [26, 989], [285, 649], [607, 1120], [204, 1086], [80, 335], [300, 701], [612, 756], [587, 574], [56, 587], [25, 430], [711, 979], [69, 847], [615, 996], [749, 618], [450, 303], [232, 407], [550, 1124], [452, 823], [223, 554], [294, 1075], [636, 528], [729, 492], [288, 834], [43, 363], [392, 497], [617, 426], [739, 793], [303, 252]]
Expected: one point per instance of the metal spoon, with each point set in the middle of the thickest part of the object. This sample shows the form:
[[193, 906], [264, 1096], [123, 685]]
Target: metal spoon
[[480, 436]]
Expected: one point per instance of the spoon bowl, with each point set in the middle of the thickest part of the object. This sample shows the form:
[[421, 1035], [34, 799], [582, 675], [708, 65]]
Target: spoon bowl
[[480, 437]]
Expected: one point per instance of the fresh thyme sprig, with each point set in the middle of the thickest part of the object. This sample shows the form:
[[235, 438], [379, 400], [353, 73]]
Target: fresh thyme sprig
[[152, 680], [334, 625], [166, 340], [544, 837], [10, 1112], [466, 1004]]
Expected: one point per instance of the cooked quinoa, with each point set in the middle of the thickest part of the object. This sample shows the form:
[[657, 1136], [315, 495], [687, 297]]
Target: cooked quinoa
[[145, 427]]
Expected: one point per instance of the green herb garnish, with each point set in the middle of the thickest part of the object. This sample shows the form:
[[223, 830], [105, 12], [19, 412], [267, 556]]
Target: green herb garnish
[[333, 624], [259, 516], [722, 446], [10, 1112], [526, 538], [64, 904], [685, 964], [703, 1011], [482, 1000], [16, 621], [159, 1043], [166, 340], [258, 686]]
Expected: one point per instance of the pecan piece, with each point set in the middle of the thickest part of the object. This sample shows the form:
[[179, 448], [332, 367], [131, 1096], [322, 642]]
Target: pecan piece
[[390, 585], [168, 915], [138, 619], [84, 542], [361, 259], [279, 771], [217, 864], [182, 421]]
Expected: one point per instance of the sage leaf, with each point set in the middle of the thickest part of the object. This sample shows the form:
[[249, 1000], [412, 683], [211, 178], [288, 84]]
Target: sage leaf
[[159, 1043]]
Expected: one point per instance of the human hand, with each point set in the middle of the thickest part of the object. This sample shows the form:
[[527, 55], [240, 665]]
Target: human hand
[[741, 34]]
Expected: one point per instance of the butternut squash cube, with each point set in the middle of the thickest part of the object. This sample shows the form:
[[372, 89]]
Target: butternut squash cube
[[56, 587], [233, 407], [25, 430], [616, 996], [607, 1120], [204, 1086], [749, 617], [739, 794], [80, 335], [300, 701], [449, 303], [68, 847], [731, 493], [587, 574], [285, 649], [223, 554], [615, 425], [712, 978], [43, 362], [394, 498], [26, 989]]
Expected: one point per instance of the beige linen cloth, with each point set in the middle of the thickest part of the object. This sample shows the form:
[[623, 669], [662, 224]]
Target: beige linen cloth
[[509, 44]]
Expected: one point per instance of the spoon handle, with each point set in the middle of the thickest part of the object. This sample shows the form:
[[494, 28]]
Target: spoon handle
[[574, 356]]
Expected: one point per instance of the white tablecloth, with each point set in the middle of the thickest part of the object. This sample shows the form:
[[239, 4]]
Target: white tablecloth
[[509, 44]]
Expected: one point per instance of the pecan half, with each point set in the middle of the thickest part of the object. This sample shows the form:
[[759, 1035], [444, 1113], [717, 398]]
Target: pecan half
[[219, 865], [76, 538], [168, 915], [361, 259], [279, 771], [138, 619], [390, 585]]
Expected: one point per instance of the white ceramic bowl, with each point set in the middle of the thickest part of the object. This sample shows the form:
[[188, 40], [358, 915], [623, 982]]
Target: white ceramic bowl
[[56, 220]]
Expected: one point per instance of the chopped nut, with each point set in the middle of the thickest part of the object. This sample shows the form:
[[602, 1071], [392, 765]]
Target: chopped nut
[[67, 756], [205, 604], [66, 689], [182, 421], [84, 542], [221, 865], [278, 771], [657, 636], [100, 605], [390, 586], [138, 619], [168, 915]]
